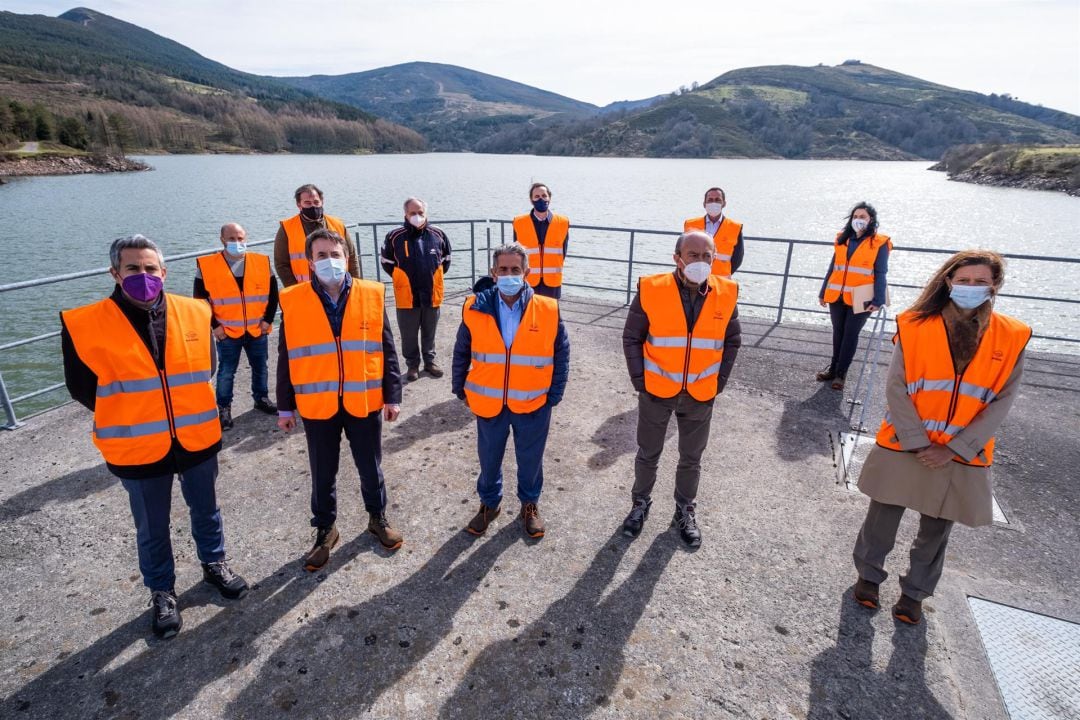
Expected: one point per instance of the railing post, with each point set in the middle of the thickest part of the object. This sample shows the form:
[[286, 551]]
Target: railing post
[[630, 270], [9, 409], [375, 244], [783, 286], [472, 251], [488, 243], [359, 256]]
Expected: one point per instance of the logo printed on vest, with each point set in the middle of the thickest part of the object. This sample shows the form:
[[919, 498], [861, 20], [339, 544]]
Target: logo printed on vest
[[998, 356], [534, 328], [718, 316], [191, 336]]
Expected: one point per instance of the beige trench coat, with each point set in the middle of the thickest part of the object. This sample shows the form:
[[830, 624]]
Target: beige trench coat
[[955, 492]]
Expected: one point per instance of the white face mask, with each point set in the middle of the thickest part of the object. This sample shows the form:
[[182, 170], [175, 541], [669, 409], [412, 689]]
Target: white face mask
[[714, 208], [970, 297], [416, 220], [858, 224], [331, 271], [697, 272]]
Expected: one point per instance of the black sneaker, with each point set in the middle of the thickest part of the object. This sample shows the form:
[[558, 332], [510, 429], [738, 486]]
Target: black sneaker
[[264, 405], [221, 576], [631, 526], [166, 615], [686, 520], [225, 416]]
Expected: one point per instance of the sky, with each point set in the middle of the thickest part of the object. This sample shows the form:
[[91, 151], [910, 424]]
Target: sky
[[600, 51]]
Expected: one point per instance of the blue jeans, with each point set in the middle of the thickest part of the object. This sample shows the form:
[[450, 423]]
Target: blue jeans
[[228, 359], [530, 438], [151, 502]]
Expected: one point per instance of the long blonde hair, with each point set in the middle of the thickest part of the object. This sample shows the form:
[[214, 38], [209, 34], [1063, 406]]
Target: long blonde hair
[[935, 296]]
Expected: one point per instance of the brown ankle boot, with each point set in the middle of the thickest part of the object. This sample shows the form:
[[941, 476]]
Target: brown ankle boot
[[483, 517], [530, 516], [379, 526], [866, 594], [908, 610]]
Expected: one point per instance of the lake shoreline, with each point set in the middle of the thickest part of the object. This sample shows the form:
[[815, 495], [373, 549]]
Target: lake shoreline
[[78, 165]]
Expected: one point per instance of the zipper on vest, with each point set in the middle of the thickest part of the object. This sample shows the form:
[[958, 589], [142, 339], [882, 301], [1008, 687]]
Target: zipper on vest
[[169, 415], [506, 373], [243, 308], [686, 363], [340, 368]]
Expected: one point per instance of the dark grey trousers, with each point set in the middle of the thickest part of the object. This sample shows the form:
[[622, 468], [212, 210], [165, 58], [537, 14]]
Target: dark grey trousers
[[876, 540], [420, 321], [693, 418]]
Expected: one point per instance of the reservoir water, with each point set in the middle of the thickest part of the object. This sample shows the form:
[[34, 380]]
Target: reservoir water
[[54, 225]]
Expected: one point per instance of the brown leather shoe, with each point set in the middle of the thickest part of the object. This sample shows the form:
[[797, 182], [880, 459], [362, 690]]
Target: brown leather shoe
[[908, 610], [838, 382], [379, 526], [483, 517], [319, 554], [434, 370], [825, 375], [866, 594], [530, 516], [412, 375]]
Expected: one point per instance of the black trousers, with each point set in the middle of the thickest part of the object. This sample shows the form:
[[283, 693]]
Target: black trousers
[[846, 326], [324, 451], [422, 321]]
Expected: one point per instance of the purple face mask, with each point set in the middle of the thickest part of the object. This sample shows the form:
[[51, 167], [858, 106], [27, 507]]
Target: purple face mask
[[142, 287]]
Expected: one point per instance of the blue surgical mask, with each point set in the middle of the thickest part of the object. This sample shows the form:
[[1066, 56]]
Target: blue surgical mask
[[510, 285], [969, 297], [235, 248], [541, 205], [330, 271]]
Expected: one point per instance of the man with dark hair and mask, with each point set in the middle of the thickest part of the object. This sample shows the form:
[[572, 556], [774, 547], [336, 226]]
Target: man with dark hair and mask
[[680, 340], [416, 256], [545, 235], [289, 260], [142, 360]]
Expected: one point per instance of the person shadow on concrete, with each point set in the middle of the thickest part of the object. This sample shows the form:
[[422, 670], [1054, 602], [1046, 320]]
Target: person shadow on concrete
[[76, 485], [568, 662], [843, 682], [346, 659], [445, 417], [254, 431], [165, 676], [805, 425]]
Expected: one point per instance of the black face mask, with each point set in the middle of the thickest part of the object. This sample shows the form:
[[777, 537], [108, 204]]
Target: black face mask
[[313, 214]]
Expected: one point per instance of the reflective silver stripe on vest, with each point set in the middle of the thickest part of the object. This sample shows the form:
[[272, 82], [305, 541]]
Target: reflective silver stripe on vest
[[112, 432], [706, 344], [297, 256], [532, 360], [722, 258], [497, 358], [236, 323], [357, 387], [860, 270], [188, 378], [226, 301], [942, 426], [532, 251], [195, 418], [654, 368], [552, 250], [980, 393], [667, 340], [369, 346], [309, 350], [924, 384], [840, 268], [525, 395], [481, 390], [302, 278], [129, 386], [707, 372], [316, 387], [547, 270], [838, 288]]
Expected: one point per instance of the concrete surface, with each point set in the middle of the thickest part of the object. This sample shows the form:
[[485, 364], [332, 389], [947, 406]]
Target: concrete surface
[[758, 623]]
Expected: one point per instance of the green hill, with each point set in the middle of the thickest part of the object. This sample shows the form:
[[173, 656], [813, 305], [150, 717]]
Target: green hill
[[852, 110], [132, 90], [1035, 167], [453, 107]]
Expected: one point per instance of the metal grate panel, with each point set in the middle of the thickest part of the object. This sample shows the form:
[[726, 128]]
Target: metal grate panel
[[1035, 659]]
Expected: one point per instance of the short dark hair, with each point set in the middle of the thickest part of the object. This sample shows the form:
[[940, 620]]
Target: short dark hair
[[717, 189], [309, 188], [324, 234], [538, 185]]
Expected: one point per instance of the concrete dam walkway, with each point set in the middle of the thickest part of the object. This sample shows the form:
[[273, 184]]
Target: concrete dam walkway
[[758, 623]]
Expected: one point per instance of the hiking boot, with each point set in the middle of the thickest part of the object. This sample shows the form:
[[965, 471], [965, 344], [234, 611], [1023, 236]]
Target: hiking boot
[[412, 375], [166, 615], [686, 520], [319, 554], [866, 593], [225, 417], [221, 576], [825, 375], [633, 523], [530, 516], [264, 405], [908, 610], [838, 381], [479, 524], [434, 370], [379, 526]]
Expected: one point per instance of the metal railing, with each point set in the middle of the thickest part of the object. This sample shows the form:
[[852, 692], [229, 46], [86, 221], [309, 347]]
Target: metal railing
[[482, 234]]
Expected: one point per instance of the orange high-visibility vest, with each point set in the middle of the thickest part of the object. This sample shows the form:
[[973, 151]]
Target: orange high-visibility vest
[[140, 409], [948, 402], [518, 377], [857, 270], [677, 358], [324, 368], [237, 310], [403, 296], [725, 239], [294, 230], [545, 261]]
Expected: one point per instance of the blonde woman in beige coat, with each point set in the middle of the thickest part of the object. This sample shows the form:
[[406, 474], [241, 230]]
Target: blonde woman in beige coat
[[955, 371]]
